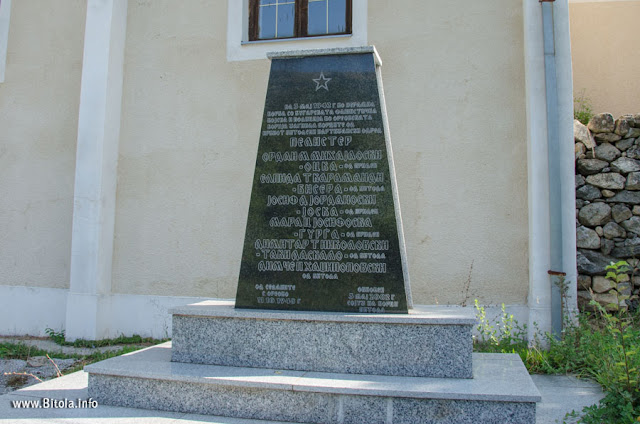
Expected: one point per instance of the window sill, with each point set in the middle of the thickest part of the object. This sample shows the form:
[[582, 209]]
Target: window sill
[[237, 32], [284, 40]]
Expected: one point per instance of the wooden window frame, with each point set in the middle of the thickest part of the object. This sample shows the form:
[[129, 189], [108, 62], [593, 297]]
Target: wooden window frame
[[300, 24]]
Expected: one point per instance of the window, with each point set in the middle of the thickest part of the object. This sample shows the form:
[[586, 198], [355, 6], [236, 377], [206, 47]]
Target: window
[[280, 19], [241, 46]]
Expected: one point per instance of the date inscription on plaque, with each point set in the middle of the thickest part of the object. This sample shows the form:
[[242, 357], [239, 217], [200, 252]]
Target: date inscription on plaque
[[322, 232]]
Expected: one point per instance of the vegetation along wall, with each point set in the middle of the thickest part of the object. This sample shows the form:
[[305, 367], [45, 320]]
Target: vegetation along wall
[[607, 205]]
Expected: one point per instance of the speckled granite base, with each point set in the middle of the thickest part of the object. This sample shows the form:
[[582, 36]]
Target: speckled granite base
[[426, 343], [501, 391]]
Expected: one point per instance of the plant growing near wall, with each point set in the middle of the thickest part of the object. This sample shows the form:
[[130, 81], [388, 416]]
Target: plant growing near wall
[[618, 361], [604, 346], [582, 110]]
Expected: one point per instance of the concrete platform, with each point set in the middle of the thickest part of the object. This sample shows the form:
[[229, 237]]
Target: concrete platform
[[560, 394], [427, 342], [501, 391]]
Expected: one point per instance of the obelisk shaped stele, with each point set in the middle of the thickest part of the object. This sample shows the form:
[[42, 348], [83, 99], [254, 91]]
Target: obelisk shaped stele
[[324, 230]]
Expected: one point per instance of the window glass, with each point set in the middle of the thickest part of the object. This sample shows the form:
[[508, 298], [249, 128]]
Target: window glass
[[327, 17], [276, 19]]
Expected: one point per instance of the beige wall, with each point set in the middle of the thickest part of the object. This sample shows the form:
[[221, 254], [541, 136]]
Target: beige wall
[[190, 127], [606, 58], [454, 84], [454, 81], [38, 117]]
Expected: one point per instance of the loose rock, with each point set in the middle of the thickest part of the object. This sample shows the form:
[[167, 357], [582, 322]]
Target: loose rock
[[580, 181], [633, 133], [592, 262], [580, 150], [591, 166], [613, 230], [626, 252], [620, 213], [588, 192], [632, 224], [625, 165], [624, 144], [607, 137], [601, 284], [607, 152], [581, 133], [611, 181], [608, 300], [625, 196], [633, 181], [601, 123], [622, 126], [584, 282], [606, 246], [586, 238], [595, 214], [633, 152], [608, 193]]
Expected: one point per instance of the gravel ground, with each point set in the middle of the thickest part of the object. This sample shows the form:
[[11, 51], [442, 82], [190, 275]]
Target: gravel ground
[[16, 373]]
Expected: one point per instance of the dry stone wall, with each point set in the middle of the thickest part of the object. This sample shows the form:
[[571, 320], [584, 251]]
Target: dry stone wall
[[607, 203]]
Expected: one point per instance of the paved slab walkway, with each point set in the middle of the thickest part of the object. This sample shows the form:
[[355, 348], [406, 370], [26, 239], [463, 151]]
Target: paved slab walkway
[[560, 394]]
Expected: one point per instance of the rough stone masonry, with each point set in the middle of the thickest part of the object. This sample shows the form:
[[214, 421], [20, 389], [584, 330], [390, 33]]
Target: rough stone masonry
[[607, 204]]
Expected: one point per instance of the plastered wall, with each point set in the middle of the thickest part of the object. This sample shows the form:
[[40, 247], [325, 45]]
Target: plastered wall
[[38, 120], [454, 81], [605, 56]]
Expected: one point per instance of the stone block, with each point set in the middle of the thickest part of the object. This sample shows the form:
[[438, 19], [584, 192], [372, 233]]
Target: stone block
[[610, 180], [601, 123], [590, 166], [595, 214], [582, 134], [586, 238], [584, 282], [432, 342], [624, 165], [607, 152], [620, 213], [501, 391], [601, 285]]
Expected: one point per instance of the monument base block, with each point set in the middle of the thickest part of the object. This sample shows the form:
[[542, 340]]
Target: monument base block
[[500, 391], [311, 367], [428, 342]]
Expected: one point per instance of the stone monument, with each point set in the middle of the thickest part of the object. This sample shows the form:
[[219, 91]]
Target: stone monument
[[323, 330], [324, 231]]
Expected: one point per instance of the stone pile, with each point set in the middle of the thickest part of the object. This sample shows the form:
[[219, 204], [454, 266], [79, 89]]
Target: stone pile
[[607, 203]]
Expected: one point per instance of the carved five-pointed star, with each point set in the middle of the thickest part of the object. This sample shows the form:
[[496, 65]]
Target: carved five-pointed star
[[321, 82]]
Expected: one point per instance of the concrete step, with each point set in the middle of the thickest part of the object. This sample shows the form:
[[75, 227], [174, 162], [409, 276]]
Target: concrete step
[[500, 391], [427, 342]]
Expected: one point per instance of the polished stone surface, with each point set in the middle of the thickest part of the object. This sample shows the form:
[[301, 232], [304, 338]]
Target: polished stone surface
[[501, 391], [420, 314], [496, 377], [324, 52], [425, 343], [560, 394], [324, 230]]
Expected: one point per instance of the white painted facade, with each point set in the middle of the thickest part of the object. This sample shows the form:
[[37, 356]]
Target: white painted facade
[[142, 205]]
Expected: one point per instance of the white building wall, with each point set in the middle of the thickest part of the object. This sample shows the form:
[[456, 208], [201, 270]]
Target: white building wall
[[454, 79]]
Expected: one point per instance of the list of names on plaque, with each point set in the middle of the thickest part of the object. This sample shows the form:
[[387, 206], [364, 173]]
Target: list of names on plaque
[[322, 232]]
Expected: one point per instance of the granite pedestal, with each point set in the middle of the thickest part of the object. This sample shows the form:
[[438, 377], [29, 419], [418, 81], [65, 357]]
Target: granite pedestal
[[428, 342], [328, 383]]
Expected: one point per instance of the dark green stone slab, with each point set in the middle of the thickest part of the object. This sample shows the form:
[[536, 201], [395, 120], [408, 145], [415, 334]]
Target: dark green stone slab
[[323, 230]]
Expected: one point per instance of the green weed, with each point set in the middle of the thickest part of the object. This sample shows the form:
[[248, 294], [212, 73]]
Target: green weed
[[582, 110], [603, 346]]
